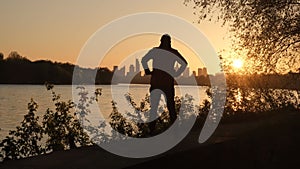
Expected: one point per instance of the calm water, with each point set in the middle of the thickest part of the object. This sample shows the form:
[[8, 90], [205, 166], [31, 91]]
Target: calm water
[[14, 99]]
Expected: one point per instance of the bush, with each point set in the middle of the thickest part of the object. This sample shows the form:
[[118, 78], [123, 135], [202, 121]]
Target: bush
[[60, 128], [244, 103], [133, 129], [25, 141]]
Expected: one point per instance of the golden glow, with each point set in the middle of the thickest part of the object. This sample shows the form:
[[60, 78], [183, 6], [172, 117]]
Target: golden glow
[[237, 63]]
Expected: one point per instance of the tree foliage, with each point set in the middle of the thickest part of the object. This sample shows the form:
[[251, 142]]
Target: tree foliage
[[25, 140], [1, 56], [15, 56], [267, 30], [60, 129], [17, 69], [132, 127], [62, 126]]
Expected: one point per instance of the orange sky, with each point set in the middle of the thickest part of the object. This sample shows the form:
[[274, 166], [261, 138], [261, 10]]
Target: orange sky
[[57, 30], [125, 53]]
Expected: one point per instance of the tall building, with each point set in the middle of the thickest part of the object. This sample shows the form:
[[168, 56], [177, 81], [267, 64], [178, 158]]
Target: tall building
[[186, 72], [131, 68], [200, 71], [204, 71], [121, 72], [115, 69], [131, 71], [194, 74], [137, 65]]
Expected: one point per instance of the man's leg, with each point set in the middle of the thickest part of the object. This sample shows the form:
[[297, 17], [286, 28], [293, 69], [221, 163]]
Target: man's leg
[[169, 93], [155, 95]]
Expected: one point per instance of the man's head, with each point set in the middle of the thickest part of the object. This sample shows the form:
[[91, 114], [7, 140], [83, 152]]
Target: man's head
[[165, 41]]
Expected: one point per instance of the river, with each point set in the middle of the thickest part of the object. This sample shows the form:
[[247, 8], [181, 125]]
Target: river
[[15, 98]]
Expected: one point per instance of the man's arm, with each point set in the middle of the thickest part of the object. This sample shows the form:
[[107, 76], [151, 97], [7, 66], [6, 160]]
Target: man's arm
[[183, 64], [145, 60]]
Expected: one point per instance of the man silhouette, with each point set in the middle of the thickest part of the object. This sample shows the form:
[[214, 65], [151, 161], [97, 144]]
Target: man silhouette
[[163, 73]]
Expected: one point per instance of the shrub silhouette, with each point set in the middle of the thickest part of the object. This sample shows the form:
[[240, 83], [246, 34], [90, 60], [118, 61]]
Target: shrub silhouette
[[62, 125], [25, 141], [60, 129], [130, 127]]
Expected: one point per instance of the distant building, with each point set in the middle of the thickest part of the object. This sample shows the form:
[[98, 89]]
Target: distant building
[[121, 72], [202, 71], [186, 72], [115, 69], [131, 71], [137, 65], [194, 74]]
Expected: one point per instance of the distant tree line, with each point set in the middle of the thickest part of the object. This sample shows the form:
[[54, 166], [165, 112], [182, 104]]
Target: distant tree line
[[16, 69]]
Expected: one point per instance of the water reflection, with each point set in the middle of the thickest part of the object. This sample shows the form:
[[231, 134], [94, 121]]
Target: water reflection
[[258, 100], [238, 99]]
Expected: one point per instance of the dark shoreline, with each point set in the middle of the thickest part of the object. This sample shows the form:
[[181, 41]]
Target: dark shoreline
[[269, 142]]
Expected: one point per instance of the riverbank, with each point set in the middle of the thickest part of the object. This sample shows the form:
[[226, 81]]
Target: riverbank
[[267, 142]]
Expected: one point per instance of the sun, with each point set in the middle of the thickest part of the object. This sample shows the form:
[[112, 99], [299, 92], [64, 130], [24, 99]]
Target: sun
[[237, 63]]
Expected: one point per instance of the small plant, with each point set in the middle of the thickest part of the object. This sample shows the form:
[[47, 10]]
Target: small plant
[[82, 108], [25, 141], [133, 129], [62, 126], [96, 133]]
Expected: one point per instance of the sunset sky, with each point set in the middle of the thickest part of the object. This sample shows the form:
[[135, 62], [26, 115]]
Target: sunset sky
[[57, 30]]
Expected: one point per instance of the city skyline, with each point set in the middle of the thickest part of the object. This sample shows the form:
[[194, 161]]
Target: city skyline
[[134, 70]]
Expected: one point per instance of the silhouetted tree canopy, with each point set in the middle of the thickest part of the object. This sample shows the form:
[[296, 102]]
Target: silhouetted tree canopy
[[16, 69], [268, 30], [16, 56], [1, 56]]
